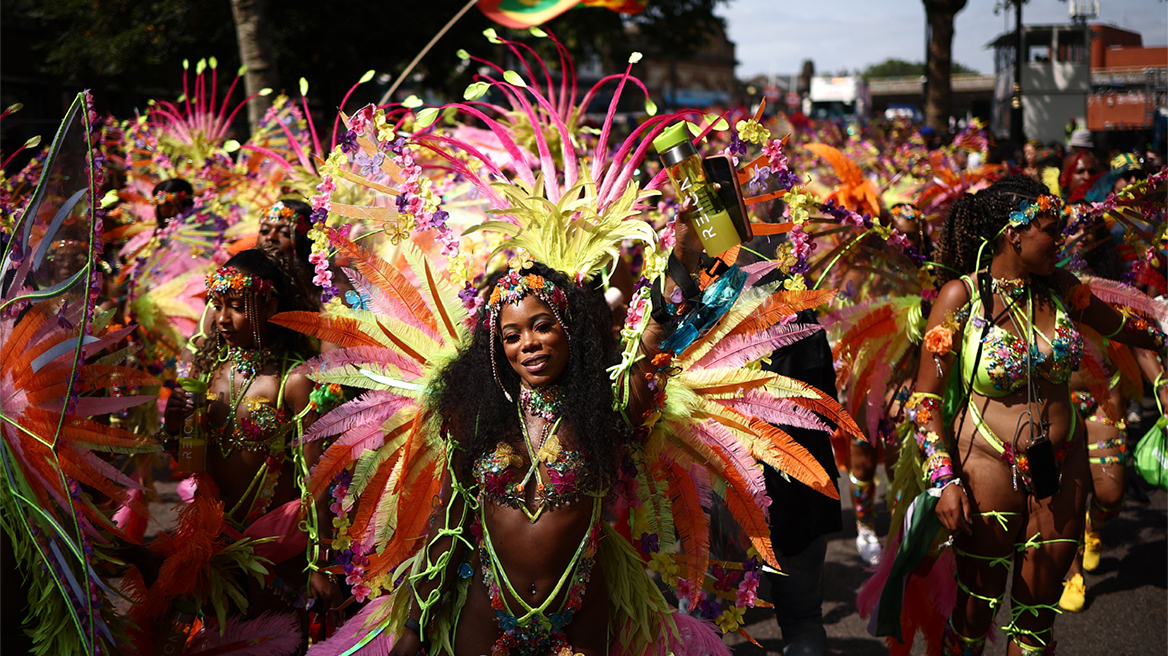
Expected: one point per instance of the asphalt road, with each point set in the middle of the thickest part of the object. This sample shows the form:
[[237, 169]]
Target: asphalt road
[[1127, 596]]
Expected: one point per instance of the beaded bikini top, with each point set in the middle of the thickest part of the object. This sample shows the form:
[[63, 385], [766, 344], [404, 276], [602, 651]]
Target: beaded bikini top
[[504, 475]]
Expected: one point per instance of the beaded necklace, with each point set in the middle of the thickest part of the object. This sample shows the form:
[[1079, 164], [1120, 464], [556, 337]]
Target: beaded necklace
[[545, 402], [1011, 287], [247, 361]]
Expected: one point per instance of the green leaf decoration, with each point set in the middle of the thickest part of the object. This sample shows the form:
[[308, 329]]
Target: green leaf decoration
[[303, 87], [475, 91], [462, 54], [492, 35], [426, 117], [650, 107], [181, 97], [536, 32], [213, 63], [231, 145], [242, 70], [513, 78], [33, 142], [367, 76], [635, 57], [186, 64], [266, 91], [200, 67], [720, 124], [14, 107], [412, 102]]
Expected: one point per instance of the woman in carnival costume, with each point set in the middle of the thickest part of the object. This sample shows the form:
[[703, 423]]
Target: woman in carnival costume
[[1001, 447], [552, 488], [250, 528], [1111, 374]]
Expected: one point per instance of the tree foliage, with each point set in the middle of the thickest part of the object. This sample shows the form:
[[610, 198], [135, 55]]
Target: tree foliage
[[901, 68], [141, 43]]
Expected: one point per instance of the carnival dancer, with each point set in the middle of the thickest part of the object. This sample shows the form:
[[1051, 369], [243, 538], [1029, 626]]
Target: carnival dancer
[[1000, 349], [1110, 373], [563, 464], [250, 513]]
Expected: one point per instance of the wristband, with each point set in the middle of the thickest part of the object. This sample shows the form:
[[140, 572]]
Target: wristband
[[413, 625]]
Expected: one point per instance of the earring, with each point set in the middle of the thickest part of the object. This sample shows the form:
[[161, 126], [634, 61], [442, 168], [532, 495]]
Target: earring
[[494, 365], [253, 318]]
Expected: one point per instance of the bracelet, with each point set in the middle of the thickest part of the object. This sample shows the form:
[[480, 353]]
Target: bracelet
[[164, 436], [413, 625], [936, 491], [668, 312], [1122, 323]]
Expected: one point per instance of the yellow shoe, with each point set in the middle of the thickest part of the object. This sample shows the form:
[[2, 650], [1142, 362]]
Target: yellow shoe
[[1074, 594], [1092, 548]]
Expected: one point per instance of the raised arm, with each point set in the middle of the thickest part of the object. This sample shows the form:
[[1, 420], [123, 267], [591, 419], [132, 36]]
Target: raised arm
[[687, 250], [1127, 329]]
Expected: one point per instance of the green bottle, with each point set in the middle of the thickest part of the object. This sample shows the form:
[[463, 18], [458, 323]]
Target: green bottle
[[683, 165]]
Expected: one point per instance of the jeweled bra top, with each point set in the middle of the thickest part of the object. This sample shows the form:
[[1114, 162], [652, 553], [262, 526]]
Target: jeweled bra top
[[1004, 355], [504, 475]]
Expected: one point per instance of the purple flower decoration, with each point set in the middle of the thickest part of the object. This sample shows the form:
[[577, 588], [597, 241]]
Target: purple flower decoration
[[759, 179], [737, 146], [348, 142], [649, 543]]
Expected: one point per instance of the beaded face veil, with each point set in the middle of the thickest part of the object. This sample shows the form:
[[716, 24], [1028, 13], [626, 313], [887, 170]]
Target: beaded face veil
[[253, 289], [511, 289]]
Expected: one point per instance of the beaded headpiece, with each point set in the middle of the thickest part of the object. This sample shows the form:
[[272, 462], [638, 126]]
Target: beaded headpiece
[[163, 197], [65, 245], [906, 212], [228, 280], [1027, 211], [512, 288], [281, 213]]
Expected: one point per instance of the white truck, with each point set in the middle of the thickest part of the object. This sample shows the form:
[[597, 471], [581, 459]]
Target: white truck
[[843, 99]]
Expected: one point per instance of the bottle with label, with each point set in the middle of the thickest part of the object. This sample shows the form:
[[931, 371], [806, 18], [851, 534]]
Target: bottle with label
[[192, 446], [710, 219]]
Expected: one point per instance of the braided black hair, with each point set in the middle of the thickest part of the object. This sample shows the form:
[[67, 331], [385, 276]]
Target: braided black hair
[[478, 415], [974, 219]]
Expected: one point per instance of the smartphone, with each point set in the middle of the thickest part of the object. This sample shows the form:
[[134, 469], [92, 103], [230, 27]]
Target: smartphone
[[720, 171], [1043, 470]]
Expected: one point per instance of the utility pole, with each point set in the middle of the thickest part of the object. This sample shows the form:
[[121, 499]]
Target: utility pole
[[1017, 134]]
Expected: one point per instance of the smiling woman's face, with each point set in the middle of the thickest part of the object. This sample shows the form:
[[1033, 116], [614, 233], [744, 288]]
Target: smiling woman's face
[[534, 342]]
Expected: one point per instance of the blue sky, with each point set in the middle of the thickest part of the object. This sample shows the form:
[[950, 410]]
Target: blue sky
[[775, 36]]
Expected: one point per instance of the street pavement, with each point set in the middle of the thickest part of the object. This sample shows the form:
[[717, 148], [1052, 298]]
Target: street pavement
[[1127, 596]]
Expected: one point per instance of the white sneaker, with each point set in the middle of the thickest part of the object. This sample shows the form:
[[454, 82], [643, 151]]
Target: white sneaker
[[868, 544]]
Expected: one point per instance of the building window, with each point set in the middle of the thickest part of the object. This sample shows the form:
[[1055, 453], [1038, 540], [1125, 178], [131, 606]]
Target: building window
[[1038, 46], [1071, 47]]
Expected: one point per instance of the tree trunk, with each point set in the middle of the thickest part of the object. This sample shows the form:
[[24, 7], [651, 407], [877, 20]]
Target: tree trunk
[[939, 98], [252, 30]]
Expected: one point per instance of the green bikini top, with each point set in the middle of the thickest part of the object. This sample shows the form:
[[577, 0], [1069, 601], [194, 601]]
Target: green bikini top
[[1004, 355]]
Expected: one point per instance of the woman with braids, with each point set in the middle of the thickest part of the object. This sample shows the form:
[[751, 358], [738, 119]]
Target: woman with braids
[[1006, 456], [542, 345], [241, 446], [1097, 392]]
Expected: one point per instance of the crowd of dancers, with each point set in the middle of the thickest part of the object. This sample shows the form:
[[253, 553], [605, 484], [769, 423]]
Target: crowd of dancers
[[460, 379]]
